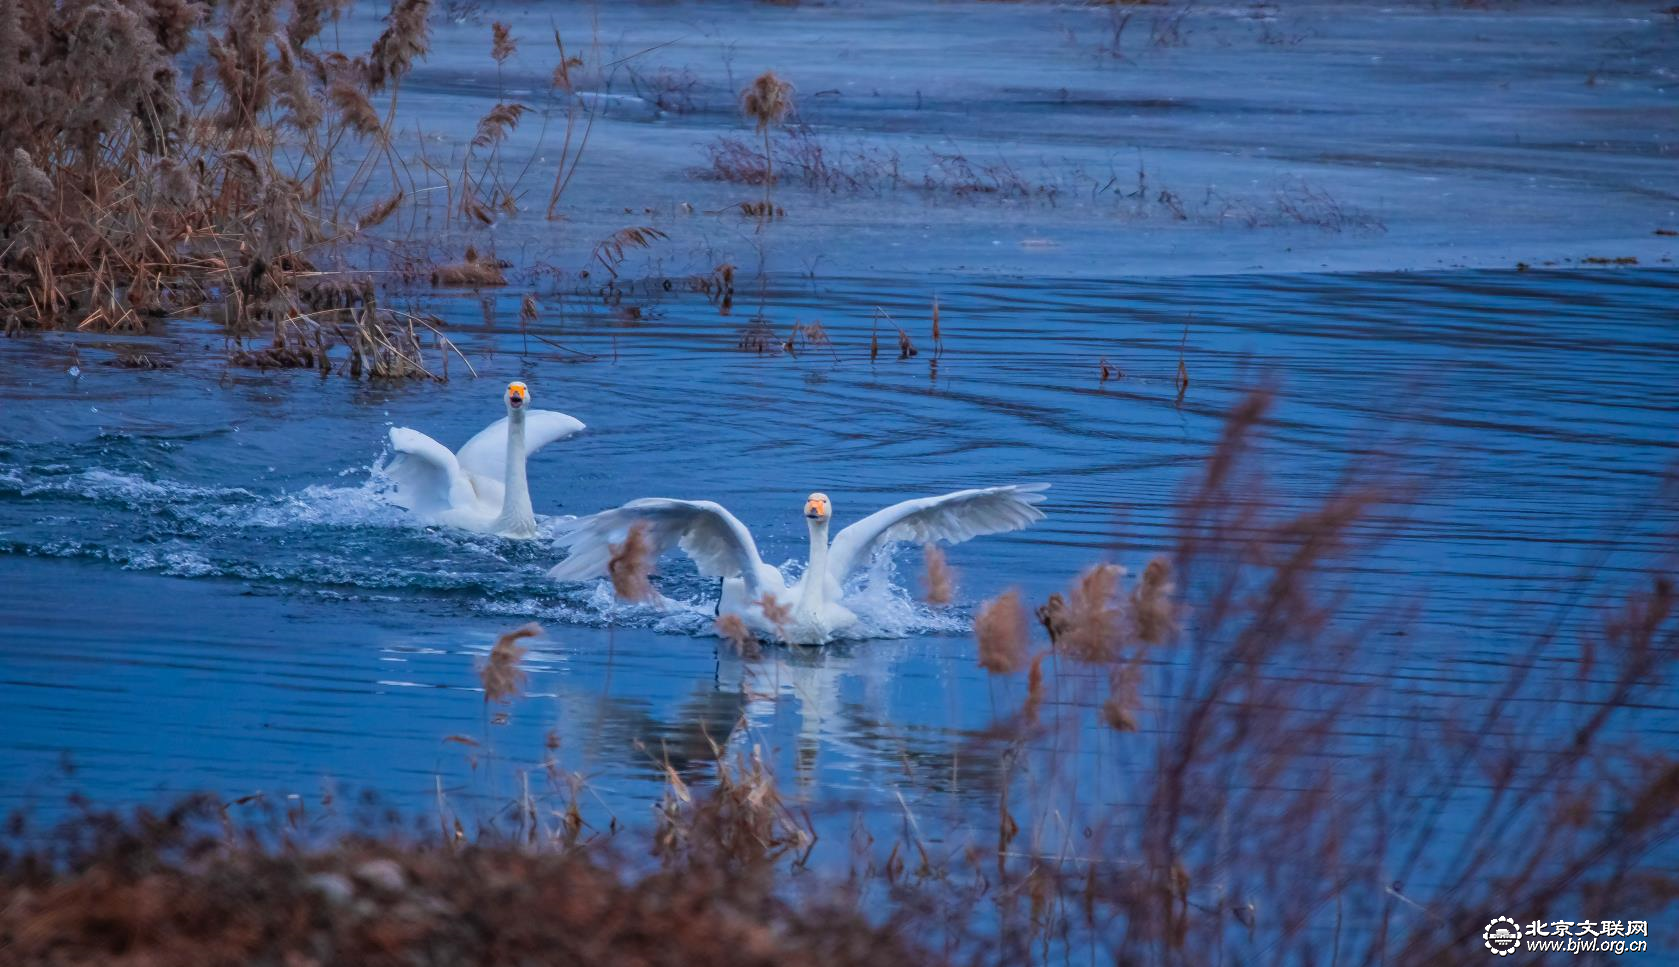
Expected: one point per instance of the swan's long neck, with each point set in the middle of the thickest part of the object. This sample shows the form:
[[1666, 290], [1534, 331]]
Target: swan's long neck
[[516, 518], [815, 592]]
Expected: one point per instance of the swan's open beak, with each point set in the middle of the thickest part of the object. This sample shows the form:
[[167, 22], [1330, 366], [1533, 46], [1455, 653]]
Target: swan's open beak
[[517, 394], [816, 508]]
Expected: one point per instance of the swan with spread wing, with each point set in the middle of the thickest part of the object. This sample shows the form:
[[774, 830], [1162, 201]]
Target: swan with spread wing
[[481, 487], [811, 610]]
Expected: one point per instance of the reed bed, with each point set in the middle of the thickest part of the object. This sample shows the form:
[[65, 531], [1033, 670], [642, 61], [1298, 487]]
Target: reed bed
[[168, 158], [1195, 763]]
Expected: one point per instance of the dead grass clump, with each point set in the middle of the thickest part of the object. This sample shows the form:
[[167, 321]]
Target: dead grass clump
[[471, 272], [741, 823], [1296, 202], [953, 173], [188, 887], [1004, 638], [759, 337], [144, 361], [631, 565], [761, 210], [802, 158]]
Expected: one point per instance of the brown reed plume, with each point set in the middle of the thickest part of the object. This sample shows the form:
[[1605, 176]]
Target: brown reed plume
[[1154, 617], [1120, 708], [406, 38], [1004, 637], [776, 613], [500, 673], [1088, 623], [502, 44], [767, 101], [631, 565], [938, 580], [733, 630]]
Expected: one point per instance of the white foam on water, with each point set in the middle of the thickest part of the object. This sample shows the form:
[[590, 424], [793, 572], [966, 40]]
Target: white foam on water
[[202, 531]]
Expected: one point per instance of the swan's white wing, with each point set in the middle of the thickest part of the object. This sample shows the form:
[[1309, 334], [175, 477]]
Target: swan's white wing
[[719, 543], [426, 476], [949, 519], [486, 453]]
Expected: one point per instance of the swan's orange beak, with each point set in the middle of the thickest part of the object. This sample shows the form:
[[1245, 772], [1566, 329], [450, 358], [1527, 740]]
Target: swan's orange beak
[[517, 395], [817, 507]]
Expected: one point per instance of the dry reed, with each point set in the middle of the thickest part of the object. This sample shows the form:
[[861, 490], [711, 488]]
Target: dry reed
[[733, 630], [776, 613], [767, 102], [631, 565], [502, 44], [1088, 623], [1153, 608], [500, 674], [938, 580], [1002, 632]]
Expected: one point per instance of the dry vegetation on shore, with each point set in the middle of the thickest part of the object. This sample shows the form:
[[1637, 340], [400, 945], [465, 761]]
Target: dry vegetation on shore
[[1209, 760], [165, 158]]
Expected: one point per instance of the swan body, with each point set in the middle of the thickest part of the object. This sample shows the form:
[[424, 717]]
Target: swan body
[[482, 487], [810, 610]]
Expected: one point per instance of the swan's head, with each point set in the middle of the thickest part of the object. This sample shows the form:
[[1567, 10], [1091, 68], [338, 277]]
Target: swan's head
[[817, 508], [518, 395]]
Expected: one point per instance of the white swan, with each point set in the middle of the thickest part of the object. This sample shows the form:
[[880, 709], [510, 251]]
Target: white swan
[[482, 488], [722, 547]]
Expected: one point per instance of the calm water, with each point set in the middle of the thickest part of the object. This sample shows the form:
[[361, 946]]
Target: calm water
[[200, 591]]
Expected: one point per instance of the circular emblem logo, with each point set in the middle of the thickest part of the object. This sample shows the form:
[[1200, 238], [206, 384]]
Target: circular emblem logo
[[1503, 936]]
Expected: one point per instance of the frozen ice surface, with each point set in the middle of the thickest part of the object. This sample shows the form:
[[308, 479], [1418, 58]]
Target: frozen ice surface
[[1149, 139]]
